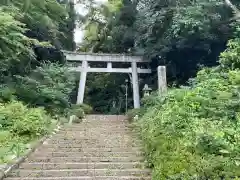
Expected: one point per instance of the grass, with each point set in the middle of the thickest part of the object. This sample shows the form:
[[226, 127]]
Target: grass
[[12, 147]]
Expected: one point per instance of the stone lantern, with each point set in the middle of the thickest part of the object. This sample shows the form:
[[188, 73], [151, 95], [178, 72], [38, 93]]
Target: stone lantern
[[146, 90]]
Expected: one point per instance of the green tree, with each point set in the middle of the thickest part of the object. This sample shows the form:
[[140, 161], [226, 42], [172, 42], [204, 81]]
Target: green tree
[[182, 34], [30, 32], [15, 47]]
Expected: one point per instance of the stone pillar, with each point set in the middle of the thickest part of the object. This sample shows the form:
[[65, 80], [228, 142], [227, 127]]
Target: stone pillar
[[82, 82], [109, 66], [162, 79], [136, 97]]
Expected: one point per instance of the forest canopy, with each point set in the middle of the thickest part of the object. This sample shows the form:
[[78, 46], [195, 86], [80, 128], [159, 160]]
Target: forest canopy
[[32, 34]]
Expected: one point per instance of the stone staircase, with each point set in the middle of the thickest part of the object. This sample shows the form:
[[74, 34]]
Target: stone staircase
[[101, 147]]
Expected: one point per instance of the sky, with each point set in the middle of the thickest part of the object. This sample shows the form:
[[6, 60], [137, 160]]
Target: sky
[[78, 32]]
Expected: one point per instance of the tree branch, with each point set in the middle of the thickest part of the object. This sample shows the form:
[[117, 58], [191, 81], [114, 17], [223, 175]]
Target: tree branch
[[233, 7]]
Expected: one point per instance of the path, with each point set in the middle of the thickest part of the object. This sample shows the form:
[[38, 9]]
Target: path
[[101, 148]]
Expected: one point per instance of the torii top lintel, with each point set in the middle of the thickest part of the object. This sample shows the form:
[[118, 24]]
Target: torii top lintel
[[102, 57]]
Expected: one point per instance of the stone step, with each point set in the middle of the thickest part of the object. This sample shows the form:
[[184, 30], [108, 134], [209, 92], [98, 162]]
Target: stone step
[[101, 125], [90, 136], [105, 127], [95, 134], [100, 148], [113, 143], [84, 159], [104, 124], [93, 123], [85, 149], [103, 165], [83, 178], [112, 122], [86, 145], [86, 154], [105, 118], [84, 125], [79, 172], [97, 131], [92, 139], [90, 131]]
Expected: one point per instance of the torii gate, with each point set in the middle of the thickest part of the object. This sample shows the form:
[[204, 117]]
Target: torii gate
[[109, 59]]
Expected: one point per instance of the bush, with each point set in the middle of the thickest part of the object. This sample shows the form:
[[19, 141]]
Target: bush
[[49, 86], [19, 125], [194, 132], [11, 146], [10, 113], [132, 113], [86, 108], [34, 123], [152, 100], [75, 119], [77, 111], [21, 120]]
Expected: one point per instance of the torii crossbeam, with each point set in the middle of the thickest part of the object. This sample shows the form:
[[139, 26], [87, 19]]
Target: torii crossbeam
[[109, 59]]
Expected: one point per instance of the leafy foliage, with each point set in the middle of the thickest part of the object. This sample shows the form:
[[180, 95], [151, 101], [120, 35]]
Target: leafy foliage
[[182, 35], [14, 45], [34, 123], [44, 19], [106, 92], [20, 125], [193, 132], [230, 57], [27, 26], [85, 107], [79, 113], [49, 85], [21, 120], [109, 27], [131, 114]]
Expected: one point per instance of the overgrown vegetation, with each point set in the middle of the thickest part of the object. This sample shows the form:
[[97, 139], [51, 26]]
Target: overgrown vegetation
[[49, 85], [86, 108], [20, 125], [194, 132]]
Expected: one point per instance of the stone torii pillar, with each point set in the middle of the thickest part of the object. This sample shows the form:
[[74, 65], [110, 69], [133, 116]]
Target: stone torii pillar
[[136, 97], [82, 82]]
